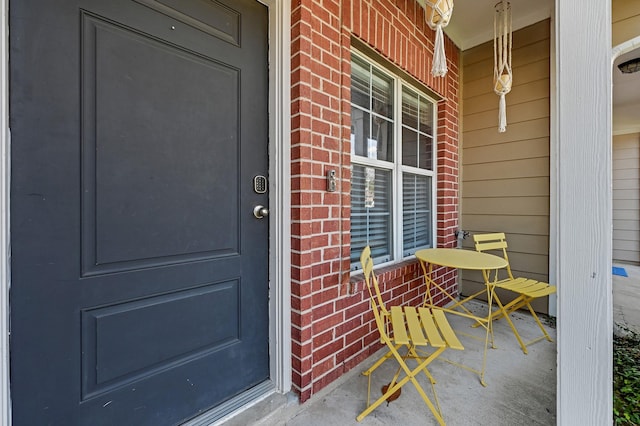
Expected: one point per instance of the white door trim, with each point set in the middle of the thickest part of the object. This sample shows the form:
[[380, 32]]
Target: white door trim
[[280, 232], [279, 192]]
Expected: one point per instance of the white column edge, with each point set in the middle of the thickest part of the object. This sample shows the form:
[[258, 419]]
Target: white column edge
[[5, 175], [553, 170]]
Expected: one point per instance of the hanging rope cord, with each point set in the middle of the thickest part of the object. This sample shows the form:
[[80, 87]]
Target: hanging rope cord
[[502, 73], [438, 14]]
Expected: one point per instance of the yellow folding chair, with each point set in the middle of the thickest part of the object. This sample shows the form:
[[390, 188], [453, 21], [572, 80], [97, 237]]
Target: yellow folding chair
[[412, 328], [526, 289]]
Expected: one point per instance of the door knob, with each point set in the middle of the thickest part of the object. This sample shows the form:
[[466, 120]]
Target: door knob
[[260, 211]]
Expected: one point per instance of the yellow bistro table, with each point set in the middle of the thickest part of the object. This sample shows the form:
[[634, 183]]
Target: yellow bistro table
[[462, 259]]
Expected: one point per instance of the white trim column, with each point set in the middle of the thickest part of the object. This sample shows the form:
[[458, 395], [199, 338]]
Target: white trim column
[[584, 212], [5, 399], [280, 192]]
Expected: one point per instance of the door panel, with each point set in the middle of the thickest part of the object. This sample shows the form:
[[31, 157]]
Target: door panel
[[114, 351], [138, 207], [139, 274]]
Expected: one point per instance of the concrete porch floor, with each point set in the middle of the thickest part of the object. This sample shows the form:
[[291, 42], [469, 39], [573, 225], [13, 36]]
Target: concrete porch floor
[[626, 300], [521, 388]]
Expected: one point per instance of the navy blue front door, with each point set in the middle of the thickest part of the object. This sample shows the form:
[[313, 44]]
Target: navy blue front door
[[139, 272]]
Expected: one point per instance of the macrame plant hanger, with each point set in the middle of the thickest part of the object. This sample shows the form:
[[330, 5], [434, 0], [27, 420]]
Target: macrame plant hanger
[[437, 14], [502, 72]]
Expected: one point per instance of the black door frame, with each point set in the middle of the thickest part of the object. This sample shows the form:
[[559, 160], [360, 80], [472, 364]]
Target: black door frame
[[279, 220]]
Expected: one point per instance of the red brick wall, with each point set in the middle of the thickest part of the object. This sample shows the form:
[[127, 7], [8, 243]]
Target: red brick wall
[[332, 327]]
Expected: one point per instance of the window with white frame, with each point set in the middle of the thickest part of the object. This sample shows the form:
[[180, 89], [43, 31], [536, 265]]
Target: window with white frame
[[393, 162]]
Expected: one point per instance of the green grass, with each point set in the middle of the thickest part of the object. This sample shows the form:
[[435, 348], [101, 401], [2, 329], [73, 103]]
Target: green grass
[[626, 380]]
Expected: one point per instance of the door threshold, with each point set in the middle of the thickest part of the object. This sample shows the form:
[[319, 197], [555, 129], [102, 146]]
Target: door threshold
[[235, 406]]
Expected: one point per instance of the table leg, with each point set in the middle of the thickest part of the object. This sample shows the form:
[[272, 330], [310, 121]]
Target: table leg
[[489, 327], [428, 298], [486, 323]]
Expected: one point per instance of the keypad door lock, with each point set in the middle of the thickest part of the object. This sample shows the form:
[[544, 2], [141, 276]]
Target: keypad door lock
[[260, 184]]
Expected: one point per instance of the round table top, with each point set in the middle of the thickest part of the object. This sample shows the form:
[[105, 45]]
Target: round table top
[[459, 258]]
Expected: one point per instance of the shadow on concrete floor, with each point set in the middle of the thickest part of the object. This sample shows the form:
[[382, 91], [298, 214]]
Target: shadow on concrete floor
[[521, 388]]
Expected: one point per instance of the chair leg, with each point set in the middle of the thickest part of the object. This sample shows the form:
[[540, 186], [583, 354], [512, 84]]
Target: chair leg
[[514, 306], [510, 307], [410, 376], [505, 313], [432, 380], [535, 316], [415, 355], [393, 389], [381, 361]]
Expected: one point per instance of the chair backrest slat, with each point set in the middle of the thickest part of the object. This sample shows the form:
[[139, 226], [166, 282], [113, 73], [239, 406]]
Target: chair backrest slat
[[371, 280], [489, 237], [493, 241], [493, 245], [380, 313]]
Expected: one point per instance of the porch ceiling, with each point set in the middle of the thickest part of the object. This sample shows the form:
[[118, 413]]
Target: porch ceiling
[[472, 20], [472, 24]]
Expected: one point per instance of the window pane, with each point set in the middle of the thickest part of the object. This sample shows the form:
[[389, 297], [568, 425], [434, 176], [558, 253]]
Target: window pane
[[372, 125], [426, 116], [425, 152], [382, 134], [417, 130], [409, 147], [416, 213], [409, 109], [370, 213], [360, 121], [360, 86], [371, 137], [382, 94]]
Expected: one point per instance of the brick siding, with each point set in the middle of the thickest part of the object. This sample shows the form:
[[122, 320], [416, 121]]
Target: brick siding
[[332, 326]]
